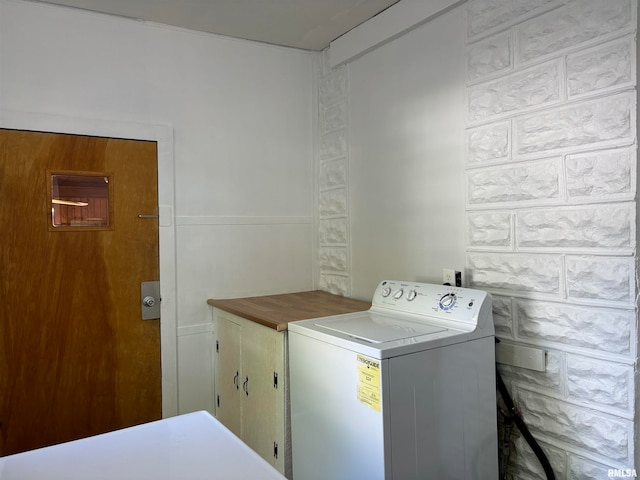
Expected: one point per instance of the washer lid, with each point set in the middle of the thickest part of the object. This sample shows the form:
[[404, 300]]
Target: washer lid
[[377, 328]]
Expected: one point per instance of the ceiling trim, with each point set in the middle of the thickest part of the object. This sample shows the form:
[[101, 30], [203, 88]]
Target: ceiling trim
[[393, 22]]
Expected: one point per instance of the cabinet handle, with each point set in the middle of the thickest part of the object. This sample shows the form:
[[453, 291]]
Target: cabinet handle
[[235, 380], [245, 386]]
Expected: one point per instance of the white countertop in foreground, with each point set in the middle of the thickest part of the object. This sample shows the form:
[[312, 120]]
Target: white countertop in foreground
[[188, 447]]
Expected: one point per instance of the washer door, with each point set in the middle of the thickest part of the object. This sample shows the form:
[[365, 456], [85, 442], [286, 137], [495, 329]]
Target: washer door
[[376, 328]]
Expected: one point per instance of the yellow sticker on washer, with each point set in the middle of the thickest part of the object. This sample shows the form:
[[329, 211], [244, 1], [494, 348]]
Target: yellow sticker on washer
[[369, 382]]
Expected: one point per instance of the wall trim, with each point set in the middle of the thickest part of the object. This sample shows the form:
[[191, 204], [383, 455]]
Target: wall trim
[[195, 329], [241, 220], [389, 24]]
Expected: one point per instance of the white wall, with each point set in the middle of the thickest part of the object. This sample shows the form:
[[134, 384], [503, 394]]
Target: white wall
[[551, 199], [391, 189], [241, 115], [406, 117]]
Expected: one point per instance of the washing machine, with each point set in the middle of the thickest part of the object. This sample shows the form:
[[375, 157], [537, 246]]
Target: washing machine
[[404, 390]]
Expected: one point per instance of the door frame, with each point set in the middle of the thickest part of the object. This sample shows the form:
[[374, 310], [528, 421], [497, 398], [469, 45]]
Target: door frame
[[163, 135]]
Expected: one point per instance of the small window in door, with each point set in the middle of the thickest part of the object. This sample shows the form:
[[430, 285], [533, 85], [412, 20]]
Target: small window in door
[[80, 200]]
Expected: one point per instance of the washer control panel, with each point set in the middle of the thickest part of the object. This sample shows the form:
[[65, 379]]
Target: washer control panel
[[443, 301]]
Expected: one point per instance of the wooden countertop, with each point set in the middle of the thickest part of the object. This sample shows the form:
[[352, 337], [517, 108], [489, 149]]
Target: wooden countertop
[[276, 311]]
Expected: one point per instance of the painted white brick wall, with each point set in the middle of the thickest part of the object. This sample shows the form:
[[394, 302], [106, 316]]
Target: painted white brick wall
[[551, 217], [333, 197]]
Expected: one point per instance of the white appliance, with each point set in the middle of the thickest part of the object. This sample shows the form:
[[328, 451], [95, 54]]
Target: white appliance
[[405, 390], [193, 446]]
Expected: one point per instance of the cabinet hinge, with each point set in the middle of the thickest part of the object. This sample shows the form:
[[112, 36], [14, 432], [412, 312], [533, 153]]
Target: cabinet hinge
[[275, 379], [217, 346], [218, 400], [275, 449]]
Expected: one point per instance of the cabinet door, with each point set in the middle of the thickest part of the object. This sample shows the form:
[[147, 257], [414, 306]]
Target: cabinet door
[[259, 412], [228, 373]]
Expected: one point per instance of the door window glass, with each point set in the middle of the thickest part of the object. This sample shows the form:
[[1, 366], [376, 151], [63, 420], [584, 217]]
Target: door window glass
[[80, 200]]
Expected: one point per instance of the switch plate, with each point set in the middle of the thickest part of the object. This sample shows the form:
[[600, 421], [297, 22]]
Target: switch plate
[[520, 356]]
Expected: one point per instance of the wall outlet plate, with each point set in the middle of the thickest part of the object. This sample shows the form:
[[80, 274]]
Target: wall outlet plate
[[521, 356], [451, 277]]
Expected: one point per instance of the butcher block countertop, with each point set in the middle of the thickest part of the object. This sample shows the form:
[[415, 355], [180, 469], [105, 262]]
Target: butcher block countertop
[[276, 311]]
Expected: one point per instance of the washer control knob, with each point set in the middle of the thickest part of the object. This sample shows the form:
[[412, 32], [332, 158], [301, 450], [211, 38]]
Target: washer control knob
[[398, 294], [411, 295], [447, 301], [386, 291]]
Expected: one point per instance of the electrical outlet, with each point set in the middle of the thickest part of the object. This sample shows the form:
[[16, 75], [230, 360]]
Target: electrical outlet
[[451, 277], [448, 276]]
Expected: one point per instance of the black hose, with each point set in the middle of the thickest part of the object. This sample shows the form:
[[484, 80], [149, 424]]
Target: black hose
[[517, 418], [505, 443]]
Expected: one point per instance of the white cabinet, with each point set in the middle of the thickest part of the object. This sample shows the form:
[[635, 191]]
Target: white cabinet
[[251, 380], [250, 385]]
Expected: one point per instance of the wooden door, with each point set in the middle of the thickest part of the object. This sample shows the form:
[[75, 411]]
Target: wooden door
[[76, 359]]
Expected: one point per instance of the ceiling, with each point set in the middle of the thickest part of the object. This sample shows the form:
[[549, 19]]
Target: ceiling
[[305, 24]]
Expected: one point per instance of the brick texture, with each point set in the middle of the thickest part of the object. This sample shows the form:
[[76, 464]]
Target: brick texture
[[333, 182], [551, 217]]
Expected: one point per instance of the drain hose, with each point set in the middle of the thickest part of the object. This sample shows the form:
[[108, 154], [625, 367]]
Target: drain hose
[[517, 418]]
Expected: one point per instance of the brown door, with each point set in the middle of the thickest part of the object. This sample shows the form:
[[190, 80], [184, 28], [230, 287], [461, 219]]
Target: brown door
[[76, 359]]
